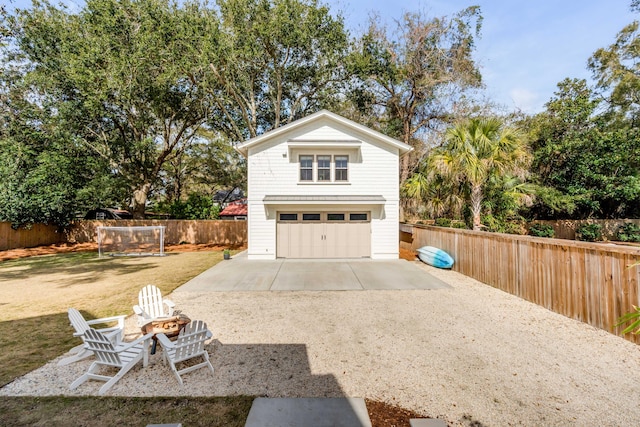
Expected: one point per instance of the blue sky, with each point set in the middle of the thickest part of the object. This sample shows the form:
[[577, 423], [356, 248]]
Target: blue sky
[[526, 48]]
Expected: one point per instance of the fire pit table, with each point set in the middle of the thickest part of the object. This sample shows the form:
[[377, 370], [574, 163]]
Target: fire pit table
[[170, 326]]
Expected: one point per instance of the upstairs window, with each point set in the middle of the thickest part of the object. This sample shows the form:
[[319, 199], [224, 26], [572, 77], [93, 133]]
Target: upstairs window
[[306, 168], [342, 168], [324, 168]]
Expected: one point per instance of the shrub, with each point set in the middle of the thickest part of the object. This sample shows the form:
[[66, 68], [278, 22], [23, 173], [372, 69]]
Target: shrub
[[589, 232], [443, 222], [541, 230], [459, 224], [514, 227], [629, 232]]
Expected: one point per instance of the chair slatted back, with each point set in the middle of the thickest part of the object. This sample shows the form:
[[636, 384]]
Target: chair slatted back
[[191, 340], [77, 321], [102, 348], [150, 300]]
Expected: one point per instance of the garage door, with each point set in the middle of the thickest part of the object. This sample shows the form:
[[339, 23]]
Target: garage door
[[323, 235]]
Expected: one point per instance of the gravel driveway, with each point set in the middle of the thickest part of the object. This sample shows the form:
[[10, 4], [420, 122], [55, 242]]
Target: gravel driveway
[[466, 354]]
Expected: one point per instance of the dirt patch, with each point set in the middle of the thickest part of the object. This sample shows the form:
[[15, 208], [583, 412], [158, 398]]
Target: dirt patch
[[47, 250], [407, 254], [386, 415], [188, 247], [93, 247]]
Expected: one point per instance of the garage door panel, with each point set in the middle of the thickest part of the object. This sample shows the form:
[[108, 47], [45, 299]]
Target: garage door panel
[[282, 240], [337, 242], [359, 243]]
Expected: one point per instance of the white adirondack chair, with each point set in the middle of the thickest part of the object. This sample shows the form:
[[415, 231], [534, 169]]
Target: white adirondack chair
[[190, 344], [152, 306], [115, 334], [123, 356]]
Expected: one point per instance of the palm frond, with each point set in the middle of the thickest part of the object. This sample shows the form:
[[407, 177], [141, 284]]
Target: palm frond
[[634, 316]]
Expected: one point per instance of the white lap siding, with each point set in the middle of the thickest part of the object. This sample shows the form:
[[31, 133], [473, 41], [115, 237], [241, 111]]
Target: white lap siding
[[273, 169]]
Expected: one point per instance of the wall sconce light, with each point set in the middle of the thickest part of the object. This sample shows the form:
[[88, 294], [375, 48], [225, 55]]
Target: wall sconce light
[[284, 155]]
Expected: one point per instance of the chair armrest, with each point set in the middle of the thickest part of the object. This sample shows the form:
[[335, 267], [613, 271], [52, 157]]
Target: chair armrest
[[169, 303], [119, 319], [107, 330], [165, 342], [138, 310], [209, 334], [126, 345]]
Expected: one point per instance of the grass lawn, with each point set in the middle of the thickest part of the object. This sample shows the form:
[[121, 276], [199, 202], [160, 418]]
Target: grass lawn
[[122, 411], [35, 294]]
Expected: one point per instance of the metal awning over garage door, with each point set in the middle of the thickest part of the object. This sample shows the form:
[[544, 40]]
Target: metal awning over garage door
[[320, 200], [323, 234]]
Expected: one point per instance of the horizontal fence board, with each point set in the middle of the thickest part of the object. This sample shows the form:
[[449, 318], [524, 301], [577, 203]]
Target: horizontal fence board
[[591, 282]]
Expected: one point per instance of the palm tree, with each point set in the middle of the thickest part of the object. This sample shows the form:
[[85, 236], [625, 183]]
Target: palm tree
[[476, 149], [435, 195]]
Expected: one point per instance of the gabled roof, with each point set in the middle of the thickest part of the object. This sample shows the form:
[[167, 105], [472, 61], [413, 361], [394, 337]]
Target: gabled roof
[[320, 115]]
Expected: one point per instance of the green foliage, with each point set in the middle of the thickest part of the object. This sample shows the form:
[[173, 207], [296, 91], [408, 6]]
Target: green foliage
[[628, 232], [210, 162], [459, 224], [615, 69], [589, 232], [443, 222], [117, 79], [634, 318], [495, 224], [415, 76], [270, 62], [154, 91], [481, 157], [541, 230], [591, 161], [550, 202], [432, 194], [197, 206], [46, 175]]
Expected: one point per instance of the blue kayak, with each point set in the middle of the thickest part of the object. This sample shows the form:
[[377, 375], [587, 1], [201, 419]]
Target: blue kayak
[[435, 257]]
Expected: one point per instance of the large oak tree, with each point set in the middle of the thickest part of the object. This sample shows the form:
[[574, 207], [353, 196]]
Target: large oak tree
[[414, 77]]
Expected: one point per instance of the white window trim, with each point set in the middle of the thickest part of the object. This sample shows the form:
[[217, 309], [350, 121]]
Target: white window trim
[[332, 170]]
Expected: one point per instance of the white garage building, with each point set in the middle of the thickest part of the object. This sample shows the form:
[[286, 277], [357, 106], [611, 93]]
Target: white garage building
[[323, 187]]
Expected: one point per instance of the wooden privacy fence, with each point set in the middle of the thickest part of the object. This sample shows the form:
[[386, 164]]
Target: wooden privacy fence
[[229, 233], [37, 235], [590, 282]]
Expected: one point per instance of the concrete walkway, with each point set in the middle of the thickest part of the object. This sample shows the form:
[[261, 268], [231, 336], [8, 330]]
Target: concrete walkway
[[308, 412], [241, 274]]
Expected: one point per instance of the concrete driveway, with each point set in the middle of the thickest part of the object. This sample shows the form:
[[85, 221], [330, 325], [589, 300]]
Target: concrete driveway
[[240, 274]]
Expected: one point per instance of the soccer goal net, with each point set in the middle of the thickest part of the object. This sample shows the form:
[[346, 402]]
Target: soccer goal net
[[131, 241]]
